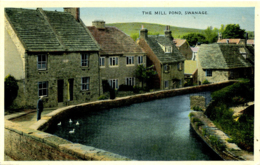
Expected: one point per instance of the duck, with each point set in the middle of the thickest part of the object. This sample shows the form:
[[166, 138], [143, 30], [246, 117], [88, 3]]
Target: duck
[[77, 123], [59, 123], [70, 121], [72, 131]]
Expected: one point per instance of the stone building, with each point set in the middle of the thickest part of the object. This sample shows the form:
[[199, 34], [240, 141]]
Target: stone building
[[51, 54], [190, 72], [166, 58], [119, 55], [221, 62], [184, 48]]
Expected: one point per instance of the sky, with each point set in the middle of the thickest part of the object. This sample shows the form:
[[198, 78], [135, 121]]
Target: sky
[[244, 16]]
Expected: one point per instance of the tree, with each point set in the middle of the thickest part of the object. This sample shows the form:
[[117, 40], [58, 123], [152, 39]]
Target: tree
[[233, 31], [144, 73], [11, 90], [194, 38], [210, 34]]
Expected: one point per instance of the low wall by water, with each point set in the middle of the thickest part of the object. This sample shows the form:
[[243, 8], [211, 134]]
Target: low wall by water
[[217, 139], [33, 144]]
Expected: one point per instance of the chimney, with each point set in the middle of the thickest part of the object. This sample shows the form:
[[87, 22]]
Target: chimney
[[99, 24], [73, 11], [168, 32], [227, 41], [143, 33]]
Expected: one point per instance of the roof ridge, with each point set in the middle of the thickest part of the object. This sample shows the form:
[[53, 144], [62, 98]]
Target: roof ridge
[[41, 11]]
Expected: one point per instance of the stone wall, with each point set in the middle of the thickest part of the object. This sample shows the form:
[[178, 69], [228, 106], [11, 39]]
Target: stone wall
[[28, 144], [186, 51], [198, 101]]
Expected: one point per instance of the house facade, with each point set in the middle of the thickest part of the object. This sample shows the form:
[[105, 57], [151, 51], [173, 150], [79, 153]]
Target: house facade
[[184, 48], [51, 54], [166, 58], [119, 55], [221, 62], [190, 72]]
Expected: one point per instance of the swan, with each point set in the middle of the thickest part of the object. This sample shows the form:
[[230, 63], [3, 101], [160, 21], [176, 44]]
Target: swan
[[59, 123], [70, 121], [72, 131], [77, 123]]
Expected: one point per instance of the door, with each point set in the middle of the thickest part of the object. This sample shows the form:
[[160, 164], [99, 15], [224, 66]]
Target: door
[[60, 90]]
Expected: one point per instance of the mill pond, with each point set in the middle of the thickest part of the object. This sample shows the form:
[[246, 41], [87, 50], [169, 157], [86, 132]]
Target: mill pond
[[154, 130]]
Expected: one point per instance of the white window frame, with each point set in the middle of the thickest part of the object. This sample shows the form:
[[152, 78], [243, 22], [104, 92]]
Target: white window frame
[[166, 84], [42, 64], [102, 60], [168, 49], [140, 60], [42, 88], [85, 82], [113, 83], [130, 81], [84, 59], [208, 73], [130, 60], [113, 61]]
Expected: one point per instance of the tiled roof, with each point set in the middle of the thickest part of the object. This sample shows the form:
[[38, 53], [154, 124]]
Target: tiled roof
[[155, 41], [179, 42], [190, 66], [41, 30], [250, 42], [224, 56], [114, 41], [231, 41], [194, 49]]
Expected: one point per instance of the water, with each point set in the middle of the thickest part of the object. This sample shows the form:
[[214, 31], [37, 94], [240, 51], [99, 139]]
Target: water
[[155, 130]]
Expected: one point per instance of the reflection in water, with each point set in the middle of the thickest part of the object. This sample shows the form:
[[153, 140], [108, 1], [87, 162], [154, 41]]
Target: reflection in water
[[155, 130]]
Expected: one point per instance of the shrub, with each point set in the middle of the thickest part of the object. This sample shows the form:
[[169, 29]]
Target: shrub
[[11, 90], [197, 108], [123, 87], [238, 100], [195, 120], [199, 123], [191, 115], [102, 97], [206, 82], [136, 89]]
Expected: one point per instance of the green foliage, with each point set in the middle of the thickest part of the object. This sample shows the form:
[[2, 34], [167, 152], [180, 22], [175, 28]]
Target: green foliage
[[102, 97], [194, 38], [210, 34], [216, 142], [204, 132], [191, 115], [230, 140], [188, 83], [199, 123], [134, 36], [194, 119], [11, 90], [233, 31], [197, 108], [206, 82], [144, 74]]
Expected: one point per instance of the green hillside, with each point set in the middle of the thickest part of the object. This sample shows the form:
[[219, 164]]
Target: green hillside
[[134, 27]]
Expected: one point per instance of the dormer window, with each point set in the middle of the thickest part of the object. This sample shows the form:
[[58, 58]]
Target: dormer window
[[168, 49], [242, 51]]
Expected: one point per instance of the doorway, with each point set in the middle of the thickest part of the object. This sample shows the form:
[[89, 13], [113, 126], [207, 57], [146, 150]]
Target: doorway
[[60, 90]]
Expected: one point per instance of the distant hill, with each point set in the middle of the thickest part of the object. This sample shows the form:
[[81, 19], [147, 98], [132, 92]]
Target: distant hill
[[134, 27]]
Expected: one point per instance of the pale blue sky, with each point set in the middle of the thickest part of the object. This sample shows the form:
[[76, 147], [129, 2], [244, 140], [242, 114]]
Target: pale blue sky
[[244, 16]]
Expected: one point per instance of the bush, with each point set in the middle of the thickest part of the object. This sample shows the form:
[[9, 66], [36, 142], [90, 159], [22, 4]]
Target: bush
[[197, 108], [102, 97], [11, 90], [206, 82], [123, 87], [136, 89], [191, 115]]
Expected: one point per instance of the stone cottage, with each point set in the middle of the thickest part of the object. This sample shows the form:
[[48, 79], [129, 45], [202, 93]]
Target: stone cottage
[[221, 62], [51, 54], [119, 55], [183, 47], [166, 58]]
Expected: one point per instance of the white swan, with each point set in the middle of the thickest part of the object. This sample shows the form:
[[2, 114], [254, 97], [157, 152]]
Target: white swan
[[59, 123], [77, 123], [70, 121], [72, 131]]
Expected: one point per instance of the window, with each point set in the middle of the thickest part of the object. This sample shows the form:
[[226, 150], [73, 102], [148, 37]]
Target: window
[[113, 61], [140, 60], [102, 61], [208, 73], [113, 83], [166, 84], [179, 66], [43, 88], [84, 59], [166, 67], [130, 81], [130, 60], [168, 49], [42, 62], [85, 83]]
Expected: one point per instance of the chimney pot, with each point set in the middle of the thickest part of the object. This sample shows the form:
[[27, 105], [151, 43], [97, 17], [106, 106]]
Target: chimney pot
[[73, 11], [99, 24], [143, 33], [168, 32]]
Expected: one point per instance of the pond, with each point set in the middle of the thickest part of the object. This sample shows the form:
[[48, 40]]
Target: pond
[[154, 130]]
